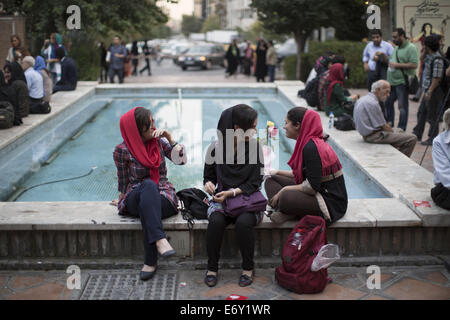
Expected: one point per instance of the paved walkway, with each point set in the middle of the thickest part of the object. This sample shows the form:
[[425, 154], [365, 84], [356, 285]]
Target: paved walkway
[[397, 283]]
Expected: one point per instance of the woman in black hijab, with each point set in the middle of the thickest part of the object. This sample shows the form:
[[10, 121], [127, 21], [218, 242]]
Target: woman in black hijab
[[261, 66], [235, 170], [15, 79], [7, 94]]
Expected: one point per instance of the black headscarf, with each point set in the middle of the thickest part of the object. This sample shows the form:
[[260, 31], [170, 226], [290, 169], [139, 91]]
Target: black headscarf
[[245, 171], [7, 94], [16, 72]]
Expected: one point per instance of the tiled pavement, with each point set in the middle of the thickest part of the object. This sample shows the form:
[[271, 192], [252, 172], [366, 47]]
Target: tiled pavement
[[397, 283]]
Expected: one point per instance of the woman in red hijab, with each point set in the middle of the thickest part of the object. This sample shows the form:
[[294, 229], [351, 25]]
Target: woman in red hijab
[[335, 100], [144, 190], [316, 185]]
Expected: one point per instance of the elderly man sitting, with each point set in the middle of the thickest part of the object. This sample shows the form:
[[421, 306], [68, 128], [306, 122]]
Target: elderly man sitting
[[370, 122], [441, 162], [35, 84]]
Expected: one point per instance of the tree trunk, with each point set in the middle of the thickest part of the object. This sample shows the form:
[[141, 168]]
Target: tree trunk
[[300, 44]]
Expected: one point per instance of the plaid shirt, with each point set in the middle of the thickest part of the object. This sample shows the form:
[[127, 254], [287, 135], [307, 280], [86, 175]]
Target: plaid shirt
[[131, 173], [432, 71]]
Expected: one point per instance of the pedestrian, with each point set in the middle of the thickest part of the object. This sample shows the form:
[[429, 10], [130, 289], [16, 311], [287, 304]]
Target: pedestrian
[[376, 58], [371, 124], [103, 63], [248, 59], [316, 184], [235, 173], [16, 43], [441, 165], [232, 57], [48, 51], [271, 61], [135, 57], [433, 73], [147, 54], [144, 190], [403, 63], [127, 70], [260, 64], [118, 53]]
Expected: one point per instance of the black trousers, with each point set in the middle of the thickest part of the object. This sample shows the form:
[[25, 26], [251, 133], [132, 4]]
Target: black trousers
[[441, 196], [429, 111], [114, 72], [146, 202], [245, 233], [147, 67]]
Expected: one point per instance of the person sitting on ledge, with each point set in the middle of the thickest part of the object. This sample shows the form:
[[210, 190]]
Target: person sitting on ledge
[[371, 124], [316, 184], [145, 191], [336, 101], [15, 79], [69, 75], [35, 84], [441, 163], [40, 67]]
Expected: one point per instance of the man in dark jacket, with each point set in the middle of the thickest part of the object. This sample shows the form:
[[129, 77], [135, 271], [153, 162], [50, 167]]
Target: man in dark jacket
[[69, 75]]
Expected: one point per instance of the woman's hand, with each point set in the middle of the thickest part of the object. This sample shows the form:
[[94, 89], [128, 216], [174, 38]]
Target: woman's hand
[[116, 202], [222, 196], [275, 199], [210, 187], [159, 133]]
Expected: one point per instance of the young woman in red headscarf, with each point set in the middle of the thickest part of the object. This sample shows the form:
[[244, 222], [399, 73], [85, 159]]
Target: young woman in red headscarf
[[316, 185], [145, 191], [335, 100]]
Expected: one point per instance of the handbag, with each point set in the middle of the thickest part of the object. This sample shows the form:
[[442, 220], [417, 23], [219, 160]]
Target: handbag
[[411, 83], [235, 206]]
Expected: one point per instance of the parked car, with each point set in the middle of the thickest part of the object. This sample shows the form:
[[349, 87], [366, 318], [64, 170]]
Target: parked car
[[204, 56]]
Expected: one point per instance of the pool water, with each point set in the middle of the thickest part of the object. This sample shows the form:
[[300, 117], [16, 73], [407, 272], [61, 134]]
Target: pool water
[[192, 123]]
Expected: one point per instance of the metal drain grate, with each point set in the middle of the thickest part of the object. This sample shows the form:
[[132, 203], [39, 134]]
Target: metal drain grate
[[130, 287]]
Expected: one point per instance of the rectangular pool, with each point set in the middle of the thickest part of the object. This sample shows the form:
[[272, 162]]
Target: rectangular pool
[[192, 121]]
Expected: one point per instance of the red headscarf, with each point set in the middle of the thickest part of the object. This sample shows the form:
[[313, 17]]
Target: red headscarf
[[311, 129], [336, 76], [147, 154]]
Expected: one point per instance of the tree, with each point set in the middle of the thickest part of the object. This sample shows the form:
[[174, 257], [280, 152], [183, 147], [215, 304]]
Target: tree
[[257, 30], [211, 23], [297, 17], [190, 24]]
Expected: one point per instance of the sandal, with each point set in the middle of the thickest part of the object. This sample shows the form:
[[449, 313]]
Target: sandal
[[245, 280], [210, 279]]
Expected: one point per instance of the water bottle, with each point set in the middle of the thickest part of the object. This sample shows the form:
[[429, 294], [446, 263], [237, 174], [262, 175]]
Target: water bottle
[[331, 121], [297, 241]]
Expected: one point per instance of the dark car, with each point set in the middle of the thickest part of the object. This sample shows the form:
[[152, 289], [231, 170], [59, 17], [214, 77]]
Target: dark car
[[204, 56]]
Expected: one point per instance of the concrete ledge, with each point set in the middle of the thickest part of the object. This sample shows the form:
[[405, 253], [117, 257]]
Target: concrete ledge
[[103, 216]]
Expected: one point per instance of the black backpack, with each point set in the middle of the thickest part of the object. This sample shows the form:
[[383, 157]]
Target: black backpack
[[6, 115], [194, 205], [444, 83], [311, 92], [344, 123]]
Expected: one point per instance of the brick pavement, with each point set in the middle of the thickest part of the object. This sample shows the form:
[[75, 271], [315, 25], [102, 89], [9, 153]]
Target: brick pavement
[[397, 283]]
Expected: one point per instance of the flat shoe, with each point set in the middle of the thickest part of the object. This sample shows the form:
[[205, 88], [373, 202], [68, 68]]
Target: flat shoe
[[210, 280], [245, 281], [145, 275]]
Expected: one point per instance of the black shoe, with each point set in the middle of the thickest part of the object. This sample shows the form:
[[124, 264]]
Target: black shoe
[[210, 280], [144, 275], [414, 99], [168, 253], [428, 142]]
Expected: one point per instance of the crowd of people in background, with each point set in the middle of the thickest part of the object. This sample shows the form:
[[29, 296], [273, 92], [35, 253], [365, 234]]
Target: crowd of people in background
[[27, 83], [391, 77]]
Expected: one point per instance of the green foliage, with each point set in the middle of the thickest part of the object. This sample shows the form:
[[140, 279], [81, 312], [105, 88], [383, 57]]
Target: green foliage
[[211, 23], [100, 19], [257, 30], [352, 51], [190, 24]]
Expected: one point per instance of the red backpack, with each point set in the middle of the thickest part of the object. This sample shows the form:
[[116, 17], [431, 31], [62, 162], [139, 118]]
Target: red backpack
[[295, 273]]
